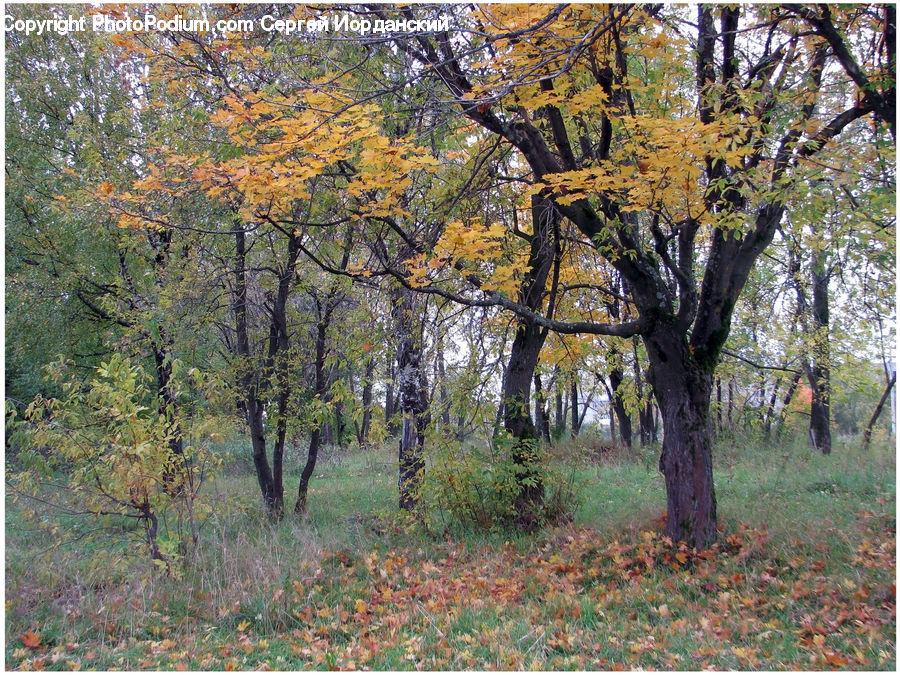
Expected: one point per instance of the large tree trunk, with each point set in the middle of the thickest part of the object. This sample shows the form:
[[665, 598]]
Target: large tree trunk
[[413, 399], [517, 422], [683, 390], [523, 359]]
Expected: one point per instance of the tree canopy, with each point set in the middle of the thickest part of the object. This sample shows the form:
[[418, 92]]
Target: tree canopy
[[651, 198]]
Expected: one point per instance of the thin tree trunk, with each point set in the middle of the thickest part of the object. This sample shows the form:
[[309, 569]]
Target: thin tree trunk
[[770, 410], [175, 471], [501, 407], [363, 436], [340, 424], [719, 404], [389, 398], [646, 418], [573, 397], [819, 371], [867, 435], [558, 401], [616, 378], [542, 418], [321, 390], [786, 401], [278, 362], [250, 403], [442, 385], [612, 419], [323, 380]]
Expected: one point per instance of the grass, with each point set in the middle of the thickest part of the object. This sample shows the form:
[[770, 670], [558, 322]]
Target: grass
[[803, 576]]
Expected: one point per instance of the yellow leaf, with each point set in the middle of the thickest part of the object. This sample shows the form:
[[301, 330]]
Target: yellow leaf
[[243, 625]]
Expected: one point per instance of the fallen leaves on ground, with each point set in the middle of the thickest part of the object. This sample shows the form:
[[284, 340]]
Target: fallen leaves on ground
[[570, 600]]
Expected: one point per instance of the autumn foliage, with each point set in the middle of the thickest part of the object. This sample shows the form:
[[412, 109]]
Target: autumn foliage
[[535, 315]]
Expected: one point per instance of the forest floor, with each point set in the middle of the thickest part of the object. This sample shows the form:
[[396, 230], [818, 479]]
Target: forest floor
[[803, 577]]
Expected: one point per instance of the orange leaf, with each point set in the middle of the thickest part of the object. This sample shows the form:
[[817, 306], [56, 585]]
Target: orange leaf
[[30, 639], [836, 659]]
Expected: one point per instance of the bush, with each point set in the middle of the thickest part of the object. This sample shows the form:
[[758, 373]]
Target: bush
[[466, 486], [103, 451]]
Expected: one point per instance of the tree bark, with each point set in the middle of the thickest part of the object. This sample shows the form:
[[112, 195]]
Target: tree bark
[[175, 470], [560, 416], [315, 439], [517, 422], [279, 361], [541, 416], [573, 397], [814, 321], [390, 398], [405, 311], [730, 404], [683, 391], [819, 371], [718, 427], [441, 375], [523, 359], [786, 401], [770, 409], [646, 415], [251, 405], [616, 378], [363, 435]]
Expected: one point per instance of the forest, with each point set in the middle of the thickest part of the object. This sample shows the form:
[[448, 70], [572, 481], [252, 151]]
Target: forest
[[450, 336]]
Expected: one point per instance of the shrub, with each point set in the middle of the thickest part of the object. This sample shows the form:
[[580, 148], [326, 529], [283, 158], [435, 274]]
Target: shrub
[[468, 486], [103, 451]]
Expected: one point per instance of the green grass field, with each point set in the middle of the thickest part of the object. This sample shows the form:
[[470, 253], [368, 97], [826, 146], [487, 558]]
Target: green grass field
[[802, 577]]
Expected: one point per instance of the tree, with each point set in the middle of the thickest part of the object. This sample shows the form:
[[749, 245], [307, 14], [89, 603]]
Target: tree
[[593, 172], [680, 195], [104, 451]]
